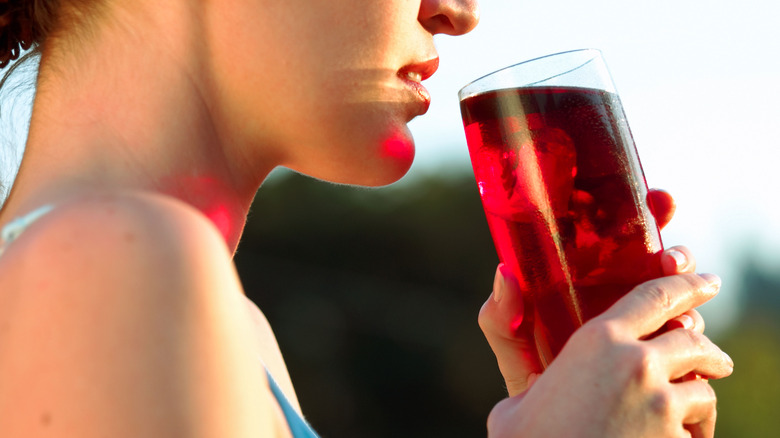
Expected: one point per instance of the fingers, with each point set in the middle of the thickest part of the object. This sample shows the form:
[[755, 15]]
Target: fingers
[[678, 260], [687, 351], [700, 412], [690, 320], [650, 305], [501, 320], [502, 314], [661, 205], [698, 321]]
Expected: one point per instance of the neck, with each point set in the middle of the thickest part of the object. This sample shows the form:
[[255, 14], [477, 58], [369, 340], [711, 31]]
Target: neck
[[134, 114]]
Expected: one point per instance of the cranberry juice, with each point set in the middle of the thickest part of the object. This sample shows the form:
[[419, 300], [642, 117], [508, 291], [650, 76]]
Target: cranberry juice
[[566, 202]]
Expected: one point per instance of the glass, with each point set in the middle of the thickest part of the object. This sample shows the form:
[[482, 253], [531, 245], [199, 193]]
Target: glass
[[562, 188]]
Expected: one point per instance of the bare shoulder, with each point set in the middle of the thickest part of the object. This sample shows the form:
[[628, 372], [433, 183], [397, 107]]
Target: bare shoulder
[[124, 317], [120, 223], [110, 239], [118, 247]]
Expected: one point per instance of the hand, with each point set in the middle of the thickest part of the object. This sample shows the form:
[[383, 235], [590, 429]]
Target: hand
[[660, 404], [613, 379], [514, 345]]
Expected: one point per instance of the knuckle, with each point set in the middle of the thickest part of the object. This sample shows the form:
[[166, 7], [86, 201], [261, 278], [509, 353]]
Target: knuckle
[[661, 404], [660, 295], [694, 339], [635, 363], [640, 361], [599, 332]]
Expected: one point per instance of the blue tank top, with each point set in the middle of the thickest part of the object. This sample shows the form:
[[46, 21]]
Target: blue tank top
[[298, 426]]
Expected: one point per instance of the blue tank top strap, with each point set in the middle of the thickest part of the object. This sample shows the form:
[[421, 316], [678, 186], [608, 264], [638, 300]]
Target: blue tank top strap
[[12, 230], [298, 426]]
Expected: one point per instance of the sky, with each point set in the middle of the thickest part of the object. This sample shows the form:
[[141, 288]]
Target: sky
[[700, 84]]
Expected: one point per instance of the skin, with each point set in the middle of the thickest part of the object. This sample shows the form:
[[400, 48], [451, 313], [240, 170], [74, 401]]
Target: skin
[[154, 124], [247, 86], [646, 384]]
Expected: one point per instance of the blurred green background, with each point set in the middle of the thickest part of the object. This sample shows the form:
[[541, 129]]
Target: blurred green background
[[374, 295]]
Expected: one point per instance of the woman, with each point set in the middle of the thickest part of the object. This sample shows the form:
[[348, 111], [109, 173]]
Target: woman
[[153, 126]]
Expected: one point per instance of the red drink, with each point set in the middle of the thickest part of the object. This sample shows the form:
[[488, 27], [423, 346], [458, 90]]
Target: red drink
[[565, 199]]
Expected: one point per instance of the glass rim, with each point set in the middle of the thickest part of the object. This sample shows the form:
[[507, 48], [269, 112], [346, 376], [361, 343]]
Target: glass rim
[[596, 54]]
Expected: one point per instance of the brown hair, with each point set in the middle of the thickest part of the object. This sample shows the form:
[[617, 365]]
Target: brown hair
[[24, 24]]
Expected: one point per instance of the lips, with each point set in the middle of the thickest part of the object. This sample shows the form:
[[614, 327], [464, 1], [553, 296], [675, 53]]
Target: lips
[[414, 74], [420, 71]]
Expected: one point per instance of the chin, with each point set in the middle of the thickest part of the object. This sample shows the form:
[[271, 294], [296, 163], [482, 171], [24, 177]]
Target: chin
[[395, 158], [392, 163], [388, 159], [362, 145], [395, 155]]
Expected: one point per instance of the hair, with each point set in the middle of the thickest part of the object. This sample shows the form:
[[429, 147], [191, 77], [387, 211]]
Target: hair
[[24, 26]]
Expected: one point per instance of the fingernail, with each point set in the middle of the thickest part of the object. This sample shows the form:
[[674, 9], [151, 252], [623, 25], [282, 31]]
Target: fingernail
[[683, 321], [498, 283], [687, 321], [714, 282], [680, 260]]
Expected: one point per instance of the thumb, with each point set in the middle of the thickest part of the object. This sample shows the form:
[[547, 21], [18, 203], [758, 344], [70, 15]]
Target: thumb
[[502, 322]]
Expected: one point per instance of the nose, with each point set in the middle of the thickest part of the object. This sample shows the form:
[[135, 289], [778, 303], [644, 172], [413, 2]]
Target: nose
[[451, 17]]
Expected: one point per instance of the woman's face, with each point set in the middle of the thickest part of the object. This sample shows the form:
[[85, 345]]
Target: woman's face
[[327, 87]]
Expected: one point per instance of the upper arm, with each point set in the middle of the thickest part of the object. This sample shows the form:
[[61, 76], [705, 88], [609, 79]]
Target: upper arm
[[125, 317]]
